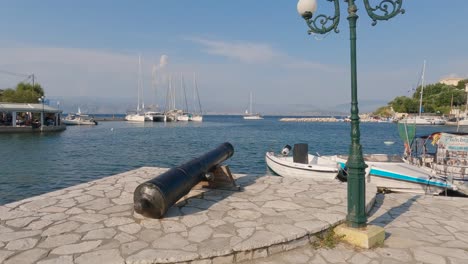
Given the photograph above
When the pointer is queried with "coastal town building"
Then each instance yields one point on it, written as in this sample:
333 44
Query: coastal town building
450 81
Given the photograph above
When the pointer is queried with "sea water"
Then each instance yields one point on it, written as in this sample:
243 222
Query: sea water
32 164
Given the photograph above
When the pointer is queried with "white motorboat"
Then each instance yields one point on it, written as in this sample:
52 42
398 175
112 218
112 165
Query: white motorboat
315 167
196 118
390 172
79 119
423 120
135 117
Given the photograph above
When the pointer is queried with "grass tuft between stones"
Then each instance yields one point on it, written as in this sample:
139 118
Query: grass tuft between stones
327 239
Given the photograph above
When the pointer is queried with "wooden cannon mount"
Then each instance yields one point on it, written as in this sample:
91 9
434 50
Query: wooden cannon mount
220 178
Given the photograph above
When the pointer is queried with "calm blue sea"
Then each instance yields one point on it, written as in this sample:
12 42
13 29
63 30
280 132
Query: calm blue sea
32 164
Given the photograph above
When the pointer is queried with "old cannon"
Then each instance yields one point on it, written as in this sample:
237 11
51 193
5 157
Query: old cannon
154 197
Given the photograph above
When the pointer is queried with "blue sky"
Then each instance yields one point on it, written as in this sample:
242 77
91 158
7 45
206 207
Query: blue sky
90 48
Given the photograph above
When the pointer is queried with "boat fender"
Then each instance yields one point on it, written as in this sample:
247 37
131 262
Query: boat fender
286 150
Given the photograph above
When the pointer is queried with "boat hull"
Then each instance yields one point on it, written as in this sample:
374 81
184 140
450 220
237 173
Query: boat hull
135 118
197 118
391 173
79 123
253 117
284 166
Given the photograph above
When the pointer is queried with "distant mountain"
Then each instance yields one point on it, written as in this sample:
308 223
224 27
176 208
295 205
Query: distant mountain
95 105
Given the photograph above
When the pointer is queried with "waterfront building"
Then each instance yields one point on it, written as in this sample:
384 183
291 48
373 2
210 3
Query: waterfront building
24 117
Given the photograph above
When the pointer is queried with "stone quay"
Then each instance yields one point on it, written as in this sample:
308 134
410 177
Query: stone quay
94 222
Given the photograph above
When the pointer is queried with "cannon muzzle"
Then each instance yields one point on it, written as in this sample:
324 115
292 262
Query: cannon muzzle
154 197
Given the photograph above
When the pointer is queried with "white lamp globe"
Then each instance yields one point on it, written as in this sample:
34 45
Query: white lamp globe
306 8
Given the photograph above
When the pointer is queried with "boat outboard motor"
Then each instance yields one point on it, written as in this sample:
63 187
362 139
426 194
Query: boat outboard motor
286 150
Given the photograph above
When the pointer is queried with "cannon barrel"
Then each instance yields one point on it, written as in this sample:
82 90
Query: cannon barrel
154 197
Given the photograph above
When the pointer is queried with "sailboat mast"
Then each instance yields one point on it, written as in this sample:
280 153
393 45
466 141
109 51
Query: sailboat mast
196 90
138 83
185 92
250 107
422 88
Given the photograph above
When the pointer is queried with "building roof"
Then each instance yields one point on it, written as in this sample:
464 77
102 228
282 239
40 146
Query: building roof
18 107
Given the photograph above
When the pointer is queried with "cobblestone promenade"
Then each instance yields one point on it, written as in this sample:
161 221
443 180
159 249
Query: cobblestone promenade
420 229
95 223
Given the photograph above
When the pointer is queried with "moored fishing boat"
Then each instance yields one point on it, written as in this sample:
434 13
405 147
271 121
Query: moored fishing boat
301 165
444 153
79 119
392 173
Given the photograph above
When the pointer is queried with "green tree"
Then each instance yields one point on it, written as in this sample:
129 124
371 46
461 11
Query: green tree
23 93
403 104
384 111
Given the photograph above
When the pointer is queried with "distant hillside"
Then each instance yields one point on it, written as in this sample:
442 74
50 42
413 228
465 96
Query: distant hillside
122 105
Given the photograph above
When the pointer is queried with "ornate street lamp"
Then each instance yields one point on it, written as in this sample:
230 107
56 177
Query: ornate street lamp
42 99
321 24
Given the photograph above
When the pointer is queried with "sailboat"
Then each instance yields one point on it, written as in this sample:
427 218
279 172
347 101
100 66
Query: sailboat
171 112
155 115
249 115
198 117
185 115
138 115
420 119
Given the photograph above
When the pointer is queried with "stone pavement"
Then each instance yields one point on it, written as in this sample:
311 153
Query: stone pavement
419 229
95 223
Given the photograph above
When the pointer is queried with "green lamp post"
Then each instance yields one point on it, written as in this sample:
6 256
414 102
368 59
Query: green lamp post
321 24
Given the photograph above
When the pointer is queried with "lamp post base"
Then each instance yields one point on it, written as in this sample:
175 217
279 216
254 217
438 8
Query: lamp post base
366 237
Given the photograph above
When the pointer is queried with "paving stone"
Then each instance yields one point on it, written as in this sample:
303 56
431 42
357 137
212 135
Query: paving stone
200 233
22 244
104 233
426 257
88 218
132 247
4 254
40 224
26 257
173 226
116 221
395 253
170 241
21 222
6 237
194 220
58 260
61 228
130 228
110 256
76 248
124 237
160 256
56 241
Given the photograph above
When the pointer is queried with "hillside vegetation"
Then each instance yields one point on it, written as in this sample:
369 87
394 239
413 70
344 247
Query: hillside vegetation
438 98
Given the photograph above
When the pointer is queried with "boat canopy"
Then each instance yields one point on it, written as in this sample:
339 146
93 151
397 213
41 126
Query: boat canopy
22 107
